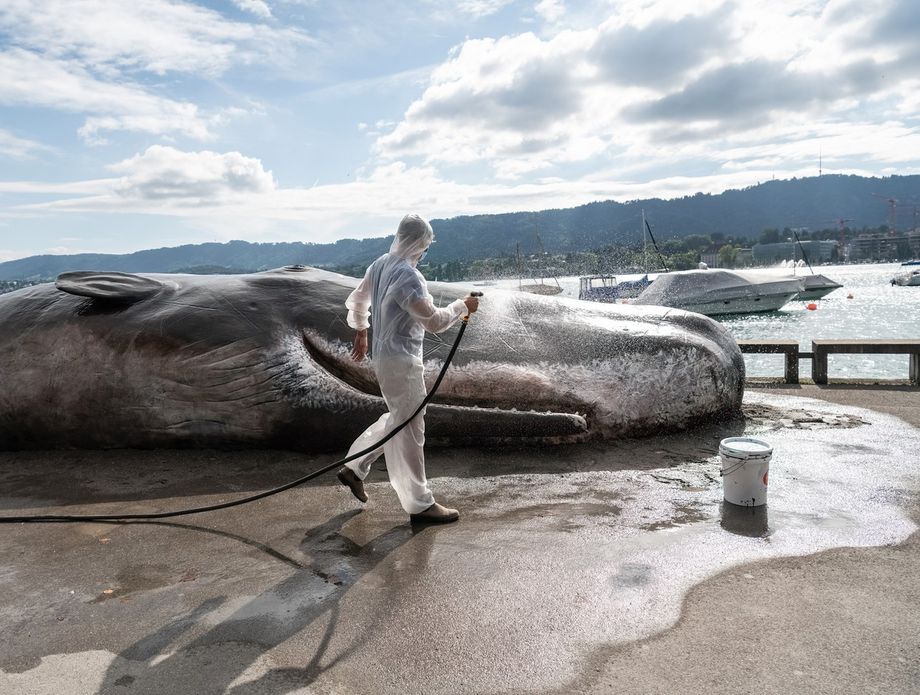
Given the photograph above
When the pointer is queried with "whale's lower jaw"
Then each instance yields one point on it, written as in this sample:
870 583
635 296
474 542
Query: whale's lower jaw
680 385
445 425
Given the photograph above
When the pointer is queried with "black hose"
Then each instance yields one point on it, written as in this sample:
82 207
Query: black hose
49 518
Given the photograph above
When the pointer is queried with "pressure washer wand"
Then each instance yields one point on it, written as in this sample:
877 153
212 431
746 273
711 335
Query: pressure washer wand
60 518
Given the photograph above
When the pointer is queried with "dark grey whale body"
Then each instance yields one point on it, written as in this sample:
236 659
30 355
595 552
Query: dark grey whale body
114 360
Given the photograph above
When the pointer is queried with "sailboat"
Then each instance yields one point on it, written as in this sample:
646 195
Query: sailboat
605 288
542 272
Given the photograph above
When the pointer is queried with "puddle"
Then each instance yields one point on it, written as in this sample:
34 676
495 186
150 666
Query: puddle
133 580
668 529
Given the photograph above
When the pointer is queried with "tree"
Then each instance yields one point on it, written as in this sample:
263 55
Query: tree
727 255
683 261
769 236
673 246
697 242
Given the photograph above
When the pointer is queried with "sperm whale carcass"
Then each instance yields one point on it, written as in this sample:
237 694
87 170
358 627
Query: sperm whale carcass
106 360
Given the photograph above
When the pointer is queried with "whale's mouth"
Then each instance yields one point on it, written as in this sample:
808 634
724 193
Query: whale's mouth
453 420
342 368
463 386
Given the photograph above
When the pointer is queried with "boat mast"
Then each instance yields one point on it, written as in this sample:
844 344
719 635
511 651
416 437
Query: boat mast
644 244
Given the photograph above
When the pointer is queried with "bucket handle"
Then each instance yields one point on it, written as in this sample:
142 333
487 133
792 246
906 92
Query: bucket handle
732 469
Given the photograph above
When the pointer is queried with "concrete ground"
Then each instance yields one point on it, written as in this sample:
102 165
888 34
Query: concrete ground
578 569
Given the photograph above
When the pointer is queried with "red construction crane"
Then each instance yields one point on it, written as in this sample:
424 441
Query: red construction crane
841 226
892 211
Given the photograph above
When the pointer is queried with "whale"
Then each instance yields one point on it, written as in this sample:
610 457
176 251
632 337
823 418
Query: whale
120 360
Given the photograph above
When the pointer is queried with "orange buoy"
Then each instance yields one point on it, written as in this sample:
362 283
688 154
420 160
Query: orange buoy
811 306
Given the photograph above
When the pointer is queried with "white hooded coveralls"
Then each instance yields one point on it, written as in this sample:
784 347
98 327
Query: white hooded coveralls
394 296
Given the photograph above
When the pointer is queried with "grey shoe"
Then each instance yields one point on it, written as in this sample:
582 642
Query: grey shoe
435 514
349 479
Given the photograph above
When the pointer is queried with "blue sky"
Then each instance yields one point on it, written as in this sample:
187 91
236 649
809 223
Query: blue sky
128 125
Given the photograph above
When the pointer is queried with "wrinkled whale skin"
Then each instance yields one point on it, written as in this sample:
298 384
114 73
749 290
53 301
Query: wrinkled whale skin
262 360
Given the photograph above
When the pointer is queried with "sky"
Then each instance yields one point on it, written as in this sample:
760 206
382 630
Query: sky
133 125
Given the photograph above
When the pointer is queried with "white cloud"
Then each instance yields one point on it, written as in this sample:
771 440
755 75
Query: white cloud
257 7
709 73
511 100
190 178
159 179
650 98
482 8
550 10
230 194
92 56
77 188
19 148
30 79
155 36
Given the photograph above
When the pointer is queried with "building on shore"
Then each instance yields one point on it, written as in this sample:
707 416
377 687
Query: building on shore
739 258
816 251
885 247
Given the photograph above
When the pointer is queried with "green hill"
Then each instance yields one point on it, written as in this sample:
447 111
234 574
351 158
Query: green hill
814 203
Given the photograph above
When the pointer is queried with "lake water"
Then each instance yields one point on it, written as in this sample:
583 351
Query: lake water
876 311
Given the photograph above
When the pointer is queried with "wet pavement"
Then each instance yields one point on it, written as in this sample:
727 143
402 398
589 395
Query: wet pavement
591 568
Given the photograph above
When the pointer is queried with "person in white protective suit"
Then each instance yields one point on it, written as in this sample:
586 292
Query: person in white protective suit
393 300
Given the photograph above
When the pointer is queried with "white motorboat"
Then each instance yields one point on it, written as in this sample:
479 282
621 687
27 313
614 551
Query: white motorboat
814 286
817 286
714 292
908 279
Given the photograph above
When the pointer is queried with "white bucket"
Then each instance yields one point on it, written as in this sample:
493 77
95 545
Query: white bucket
745 470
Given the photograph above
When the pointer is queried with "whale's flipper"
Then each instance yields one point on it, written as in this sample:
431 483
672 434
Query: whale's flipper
123 288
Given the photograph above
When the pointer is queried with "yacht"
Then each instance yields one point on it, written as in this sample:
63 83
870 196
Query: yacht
908 279
714 292
817 286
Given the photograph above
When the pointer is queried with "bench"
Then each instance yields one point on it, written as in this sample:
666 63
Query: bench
789 348
822 348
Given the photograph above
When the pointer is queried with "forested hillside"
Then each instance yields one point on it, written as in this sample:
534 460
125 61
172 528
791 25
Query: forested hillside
815 203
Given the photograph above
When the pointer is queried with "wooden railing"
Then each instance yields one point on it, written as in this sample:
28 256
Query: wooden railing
789 348
820 349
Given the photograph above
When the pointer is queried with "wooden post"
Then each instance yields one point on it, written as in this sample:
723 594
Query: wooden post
818 363
792 366
788 348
